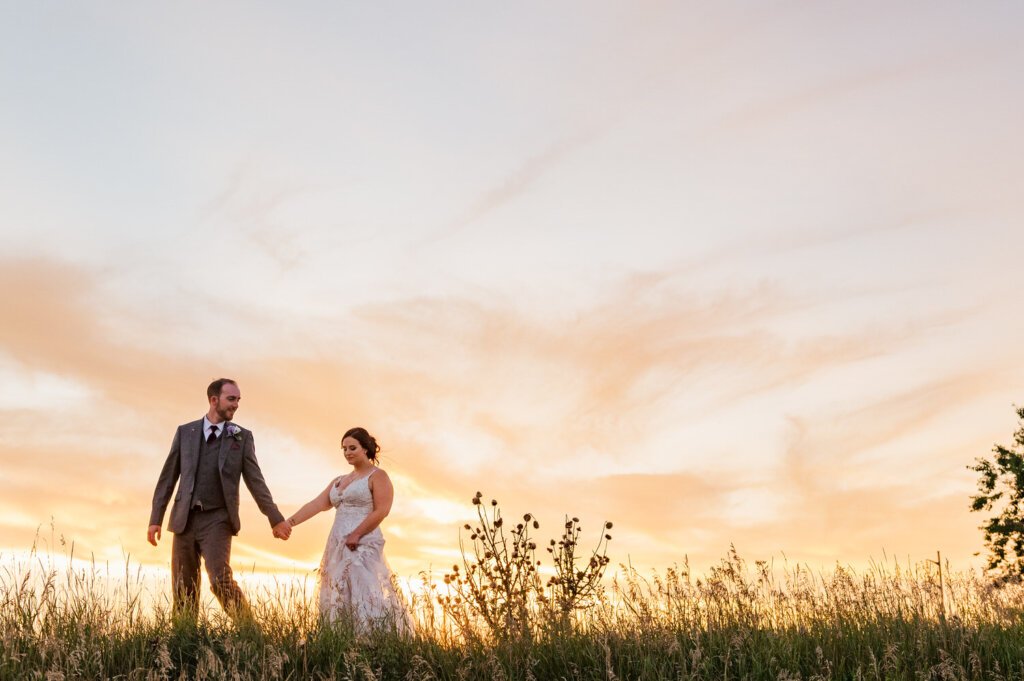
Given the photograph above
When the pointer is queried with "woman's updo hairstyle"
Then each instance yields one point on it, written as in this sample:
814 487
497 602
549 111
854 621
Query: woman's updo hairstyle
367 441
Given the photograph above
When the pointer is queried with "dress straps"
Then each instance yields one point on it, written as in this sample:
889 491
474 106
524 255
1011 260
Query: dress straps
337 480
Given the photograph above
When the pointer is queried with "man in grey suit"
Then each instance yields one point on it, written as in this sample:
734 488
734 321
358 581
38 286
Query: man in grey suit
209 456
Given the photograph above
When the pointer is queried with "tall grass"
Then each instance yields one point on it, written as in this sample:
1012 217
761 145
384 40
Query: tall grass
736 621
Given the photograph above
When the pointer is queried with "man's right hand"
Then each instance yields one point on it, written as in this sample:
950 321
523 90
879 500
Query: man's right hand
153 534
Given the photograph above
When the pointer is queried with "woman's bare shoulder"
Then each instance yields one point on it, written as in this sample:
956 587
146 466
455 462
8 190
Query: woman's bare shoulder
379 474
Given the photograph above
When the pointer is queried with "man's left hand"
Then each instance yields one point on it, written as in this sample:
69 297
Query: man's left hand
283 530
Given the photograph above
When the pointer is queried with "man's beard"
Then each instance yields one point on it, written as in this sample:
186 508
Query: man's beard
224 414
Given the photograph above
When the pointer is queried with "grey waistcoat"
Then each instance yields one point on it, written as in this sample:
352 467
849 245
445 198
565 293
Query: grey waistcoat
208 492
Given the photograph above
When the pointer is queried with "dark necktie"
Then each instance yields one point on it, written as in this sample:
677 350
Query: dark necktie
213 436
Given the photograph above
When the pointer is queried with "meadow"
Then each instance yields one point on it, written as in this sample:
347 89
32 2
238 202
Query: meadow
499 616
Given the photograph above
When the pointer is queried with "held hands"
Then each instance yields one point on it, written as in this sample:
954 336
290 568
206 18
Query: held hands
153 534
283 530
352 541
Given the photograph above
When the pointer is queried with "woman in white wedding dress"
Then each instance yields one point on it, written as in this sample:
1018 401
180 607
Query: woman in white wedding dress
355 580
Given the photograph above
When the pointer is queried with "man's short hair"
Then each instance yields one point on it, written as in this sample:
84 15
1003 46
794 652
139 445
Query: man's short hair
217 386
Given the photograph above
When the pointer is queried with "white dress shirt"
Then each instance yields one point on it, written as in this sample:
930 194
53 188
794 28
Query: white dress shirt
207 427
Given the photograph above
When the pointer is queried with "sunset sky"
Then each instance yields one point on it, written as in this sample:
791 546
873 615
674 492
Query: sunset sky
719 273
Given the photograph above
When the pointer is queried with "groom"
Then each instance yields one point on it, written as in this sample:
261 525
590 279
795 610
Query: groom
209 455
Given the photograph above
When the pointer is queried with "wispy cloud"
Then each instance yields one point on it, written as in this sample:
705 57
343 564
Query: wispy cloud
517 183
579 412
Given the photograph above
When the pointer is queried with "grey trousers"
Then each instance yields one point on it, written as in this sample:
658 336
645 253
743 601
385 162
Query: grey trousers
207 535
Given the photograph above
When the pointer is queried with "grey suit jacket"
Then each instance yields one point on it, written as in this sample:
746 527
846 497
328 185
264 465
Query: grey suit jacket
237 460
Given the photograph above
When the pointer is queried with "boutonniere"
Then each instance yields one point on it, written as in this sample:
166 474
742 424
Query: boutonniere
234 431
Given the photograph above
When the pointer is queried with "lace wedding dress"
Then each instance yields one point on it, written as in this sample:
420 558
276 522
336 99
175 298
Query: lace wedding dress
359 584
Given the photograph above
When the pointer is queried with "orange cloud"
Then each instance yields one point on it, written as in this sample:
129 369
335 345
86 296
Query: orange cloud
549 416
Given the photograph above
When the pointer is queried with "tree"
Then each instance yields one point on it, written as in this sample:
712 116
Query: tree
1001 489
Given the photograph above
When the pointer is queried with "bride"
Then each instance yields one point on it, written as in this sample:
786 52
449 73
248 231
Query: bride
355 580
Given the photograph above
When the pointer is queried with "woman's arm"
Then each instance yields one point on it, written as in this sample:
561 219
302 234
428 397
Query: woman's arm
321 502
383 493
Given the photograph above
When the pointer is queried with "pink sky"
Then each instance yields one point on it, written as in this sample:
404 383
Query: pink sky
716 275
